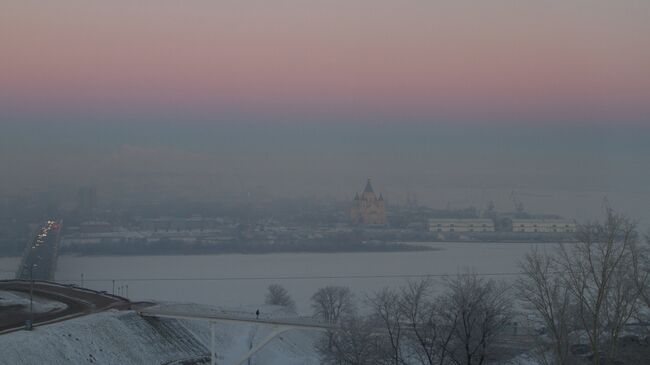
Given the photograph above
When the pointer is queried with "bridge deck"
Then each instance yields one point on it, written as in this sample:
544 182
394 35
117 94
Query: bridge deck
41 253
234 318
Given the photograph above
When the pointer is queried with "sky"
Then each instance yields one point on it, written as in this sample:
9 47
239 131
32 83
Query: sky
459 101
585 59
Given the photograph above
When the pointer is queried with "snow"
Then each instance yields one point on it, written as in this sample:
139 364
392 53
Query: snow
40 305
232 341
523 360
106 338
123 337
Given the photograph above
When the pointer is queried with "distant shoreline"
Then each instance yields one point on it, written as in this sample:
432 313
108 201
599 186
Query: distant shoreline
172 247
180 248
255 249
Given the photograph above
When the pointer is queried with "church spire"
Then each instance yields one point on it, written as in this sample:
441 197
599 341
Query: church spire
368 188
367 209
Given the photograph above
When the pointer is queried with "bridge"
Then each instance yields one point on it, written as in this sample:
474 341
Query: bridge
279 326
41 253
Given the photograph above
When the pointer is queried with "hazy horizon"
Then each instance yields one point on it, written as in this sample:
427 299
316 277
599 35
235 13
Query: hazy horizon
566 170
455 101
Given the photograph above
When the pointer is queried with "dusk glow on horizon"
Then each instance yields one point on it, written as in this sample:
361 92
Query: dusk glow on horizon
468 59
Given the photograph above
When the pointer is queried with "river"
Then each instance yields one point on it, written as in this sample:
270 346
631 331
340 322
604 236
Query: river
236 280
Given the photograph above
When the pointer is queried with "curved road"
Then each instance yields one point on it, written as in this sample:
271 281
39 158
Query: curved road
78 301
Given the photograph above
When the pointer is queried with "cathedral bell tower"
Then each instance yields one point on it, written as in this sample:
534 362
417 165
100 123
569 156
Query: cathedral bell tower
367 208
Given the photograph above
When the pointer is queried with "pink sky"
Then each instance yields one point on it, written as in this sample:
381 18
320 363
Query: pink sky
465 57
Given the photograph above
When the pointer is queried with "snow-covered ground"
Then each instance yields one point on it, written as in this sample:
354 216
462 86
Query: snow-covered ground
104 338
41 305
523 359
123 337
295 347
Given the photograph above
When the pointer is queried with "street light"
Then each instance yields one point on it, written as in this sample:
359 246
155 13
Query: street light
31 294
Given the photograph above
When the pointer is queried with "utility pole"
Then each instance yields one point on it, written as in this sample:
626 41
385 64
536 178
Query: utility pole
82 280
250 347
113 286
213 360
31 294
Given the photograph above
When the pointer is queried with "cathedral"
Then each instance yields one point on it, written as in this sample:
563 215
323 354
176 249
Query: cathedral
367 209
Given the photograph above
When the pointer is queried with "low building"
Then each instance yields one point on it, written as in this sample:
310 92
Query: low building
95 227
167 224
543 225
461 225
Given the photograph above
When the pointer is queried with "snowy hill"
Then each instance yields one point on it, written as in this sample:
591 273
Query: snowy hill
123 337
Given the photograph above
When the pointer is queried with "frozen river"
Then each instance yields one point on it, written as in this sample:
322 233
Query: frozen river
8 267
238 280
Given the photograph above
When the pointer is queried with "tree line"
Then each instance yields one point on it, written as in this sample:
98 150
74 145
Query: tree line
410 325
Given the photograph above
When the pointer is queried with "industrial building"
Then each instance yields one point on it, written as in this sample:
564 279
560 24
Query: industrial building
543 225
461 225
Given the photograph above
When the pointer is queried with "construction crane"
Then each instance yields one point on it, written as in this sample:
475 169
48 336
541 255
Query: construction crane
519 206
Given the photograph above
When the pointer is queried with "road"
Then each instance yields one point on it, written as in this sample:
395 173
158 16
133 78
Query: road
41 253
78 302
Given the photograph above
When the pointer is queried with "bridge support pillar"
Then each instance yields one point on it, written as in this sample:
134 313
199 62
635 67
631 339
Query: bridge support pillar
276 332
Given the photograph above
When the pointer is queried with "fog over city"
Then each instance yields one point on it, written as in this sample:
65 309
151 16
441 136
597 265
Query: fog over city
359 182
567 169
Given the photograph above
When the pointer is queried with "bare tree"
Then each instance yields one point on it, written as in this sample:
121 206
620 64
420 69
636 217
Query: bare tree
354 343
459 326
330 304
278 295
601 277
387 312
429 334
480 311
333 302
410 325
542 286
642 267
